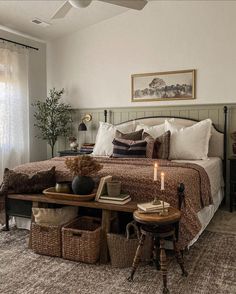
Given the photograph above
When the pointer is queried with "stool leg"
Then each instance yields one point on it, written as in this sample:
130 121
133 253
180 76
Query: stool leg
156 253
137 257
163 261
179 258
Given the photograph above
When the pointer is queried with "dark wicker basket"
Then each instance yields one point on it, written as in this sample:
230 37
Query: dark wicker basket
46 239
81 239
122 248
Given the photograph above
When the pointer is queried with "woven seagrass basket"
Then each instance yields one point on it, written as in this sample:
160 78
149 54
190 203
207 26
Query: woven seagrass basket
122 248
46 239
81 239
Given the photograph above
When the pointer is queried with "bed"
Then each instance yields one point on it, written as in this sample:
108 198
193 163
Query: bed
202 196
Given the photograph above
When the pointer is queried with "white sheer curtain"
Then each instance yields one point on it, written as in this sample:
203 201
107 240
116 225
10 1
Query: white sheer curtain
14 106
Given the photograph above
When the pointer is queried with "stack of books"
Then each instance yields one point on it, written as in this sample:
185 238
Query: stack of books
87 148
102 195
121 199
149 207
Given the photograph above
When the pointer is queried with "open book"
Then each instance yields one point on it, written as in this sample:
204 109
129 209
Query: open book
102 187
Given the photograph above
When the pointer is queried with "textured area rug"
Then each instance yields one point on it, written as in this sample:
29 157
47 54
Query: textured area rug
223 222
210 262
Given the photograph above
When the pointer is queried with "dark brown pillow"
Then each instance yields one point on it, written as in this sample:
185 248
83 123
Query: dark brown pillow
163 149
129 148
134 136
160 145
14 182
152 146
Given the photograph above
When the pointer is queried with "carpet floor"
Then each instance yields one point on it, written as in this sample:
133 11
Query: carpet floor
210 262
223 222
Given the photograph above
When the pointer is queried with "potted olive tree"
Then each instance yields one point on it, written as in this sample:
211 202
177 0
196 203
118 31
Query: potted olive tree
52 118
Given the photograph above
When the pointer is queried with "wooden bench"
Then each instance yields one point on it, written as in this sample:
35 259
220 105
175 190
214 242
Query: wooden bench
107 209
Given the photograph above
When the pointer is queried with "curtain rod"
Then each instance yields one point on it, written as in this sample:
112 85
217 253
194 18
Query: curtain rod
26 46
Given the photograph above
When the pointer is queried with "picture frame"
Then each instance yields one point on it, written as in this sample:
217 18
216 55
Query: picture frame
163 86
102 189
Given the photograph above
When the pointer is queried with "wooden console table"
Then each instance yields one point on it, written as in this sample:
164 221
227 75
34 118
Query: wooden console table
105 207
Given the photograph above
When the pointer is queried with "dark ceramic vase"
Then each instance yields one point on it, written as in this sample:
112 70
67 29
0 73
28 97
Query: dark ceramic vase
82 185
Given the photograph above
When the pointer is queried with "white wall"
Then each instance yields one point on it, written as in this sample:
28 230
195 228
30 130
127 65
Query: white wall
37 88
94 64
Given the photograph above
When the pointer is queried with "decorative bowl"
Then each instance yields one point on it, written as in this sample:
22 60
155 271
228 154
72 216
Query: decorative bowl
63 187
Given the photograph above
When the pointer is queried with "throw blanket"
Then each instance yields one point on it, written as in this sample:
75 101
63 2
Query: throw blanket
136 176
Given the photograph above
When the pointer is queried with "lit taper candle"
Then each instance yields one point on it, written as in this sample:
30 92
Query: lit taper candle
155 171
162 181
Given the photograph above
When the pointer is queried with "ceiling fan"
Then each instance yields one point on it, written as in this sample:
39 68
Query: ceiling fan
67 5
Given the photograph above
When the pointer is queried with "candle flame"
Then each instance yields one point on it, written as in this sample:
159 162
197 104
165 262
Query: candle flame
155 165
162 174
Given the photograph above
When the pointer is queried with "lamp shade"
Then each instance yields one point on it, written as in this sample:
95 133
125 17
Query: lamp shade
82 127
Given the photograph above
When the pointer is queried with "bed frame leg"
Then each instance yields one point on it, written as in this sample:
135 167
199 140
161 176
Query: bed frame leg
181 195
6 227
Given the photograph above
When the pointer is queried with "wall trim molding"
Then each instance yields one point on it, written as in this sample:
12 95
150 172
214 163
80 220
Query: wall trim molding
156 106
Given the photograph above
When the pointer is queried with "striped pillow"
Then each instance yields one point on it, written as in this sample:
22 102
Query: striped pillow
129 148
135 136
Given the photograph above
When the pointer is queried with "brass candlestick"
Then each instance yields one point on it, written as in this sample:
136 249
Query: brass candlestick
156 201
163 211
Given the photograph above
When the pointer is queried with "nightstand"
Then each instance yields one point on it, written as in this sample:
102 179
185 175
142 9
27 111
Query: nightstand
232 180
72 153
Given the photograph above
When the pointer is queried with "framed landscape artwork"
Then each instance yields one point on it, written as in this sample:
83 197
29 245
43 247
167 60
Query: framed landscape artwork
161 86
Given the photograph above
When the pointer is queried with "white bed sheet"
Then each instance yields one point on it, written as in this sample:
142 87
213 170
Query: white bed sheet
214 169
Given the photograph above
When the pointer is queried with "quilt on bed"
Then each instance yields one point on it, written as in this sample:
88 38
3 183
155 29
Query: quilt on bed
137 180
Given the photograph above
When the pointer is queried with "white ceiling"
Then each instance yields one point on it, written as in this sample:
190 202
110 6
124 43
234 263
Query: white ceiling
17 15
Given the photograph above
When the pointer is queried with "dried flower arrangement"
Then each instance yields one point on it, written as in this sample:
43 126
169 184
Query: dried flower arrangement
83 165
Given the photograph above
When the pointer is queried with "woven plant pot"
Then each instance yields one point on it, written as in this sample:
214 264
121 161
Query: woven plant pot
122 248
81 239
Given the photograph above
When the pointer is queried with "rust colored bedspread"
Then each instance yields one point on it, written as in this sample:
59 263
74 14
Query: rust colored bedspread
137 180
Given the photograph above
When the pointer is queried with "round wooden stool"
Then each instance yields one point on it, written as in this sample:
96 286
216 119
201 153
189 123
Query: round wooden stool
161 227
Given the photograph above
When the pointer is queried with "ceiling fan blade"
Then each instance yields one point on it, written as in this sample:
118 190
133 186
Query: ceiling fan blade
133 4
62 11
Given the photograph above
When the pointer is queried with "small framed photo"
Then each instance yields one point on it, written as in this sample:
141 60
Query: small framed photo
162 86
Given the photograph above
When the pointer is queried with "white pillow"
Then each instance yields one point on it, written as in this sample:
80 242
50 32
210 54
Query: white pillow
106 134
191 142
172 126
154 131
54 216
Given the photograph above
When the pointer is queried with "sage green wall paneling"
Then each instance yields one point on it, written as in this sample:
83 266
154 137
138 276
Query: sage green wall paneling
132 115
141 113
174 112
166 113
203 114
118 115
125 116
149 113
